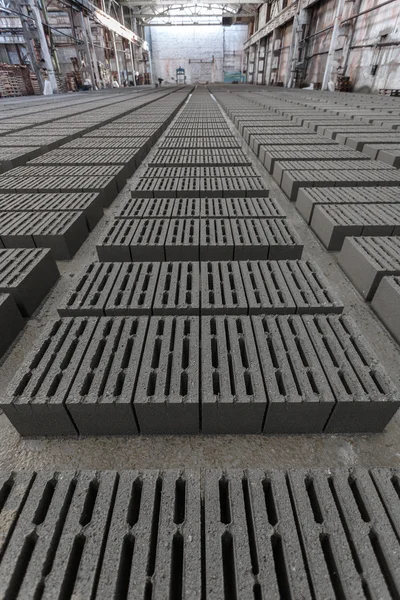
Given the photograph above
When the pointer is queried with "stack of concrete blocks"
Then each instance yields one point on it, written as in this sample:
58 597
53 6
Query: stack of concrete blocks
303 533
26 278
346 185
76 168
310 148
201 316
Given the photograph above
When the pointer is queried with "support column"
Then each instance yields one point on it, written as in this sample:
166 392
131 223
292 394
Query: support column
256 59
271 58
93 52
29 45
333 45
116 57
292 52
133 63
349 29
300 23
86 46
43 45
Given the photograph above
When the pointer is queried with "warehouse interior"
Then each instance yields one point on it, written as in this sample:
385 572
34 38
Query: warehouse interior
199 300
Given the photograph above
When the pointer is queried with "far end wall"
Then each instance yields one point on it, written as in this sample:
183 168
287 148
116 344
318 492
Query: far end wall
205 52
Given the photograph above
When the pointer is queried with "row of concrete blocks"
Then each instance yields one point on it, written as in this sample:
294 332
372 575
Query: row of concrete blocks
206 288
61 230
198 172
32 143
310 198
333 224
26 277
201 187
290 179
370 139
345 131
187 374
95 174
198 143
204 208
193 158
379 148
305 533
129 158
199 239
89 204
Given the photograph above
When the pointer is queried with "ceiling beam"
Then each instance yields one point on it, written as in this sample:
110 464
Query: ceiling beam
165 15
161 3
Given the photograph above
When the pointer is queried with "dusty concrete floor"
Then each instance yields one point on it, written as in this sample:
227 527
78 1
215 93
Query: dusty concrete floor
205 451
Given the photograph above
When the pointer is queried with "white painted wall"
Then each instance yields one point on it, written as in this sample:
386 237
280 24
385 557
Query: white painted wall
193 48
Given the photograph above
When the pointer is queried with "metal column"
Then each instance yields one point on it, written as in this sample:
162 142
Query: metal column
333 45
43 45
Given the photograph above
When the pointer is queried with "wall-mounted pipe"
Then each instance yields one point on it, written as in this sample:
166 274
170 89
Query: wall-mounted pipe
317 33
364 12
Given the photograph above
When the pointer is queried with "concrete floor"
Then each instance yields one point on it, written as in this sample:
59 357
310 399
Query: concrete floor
163 452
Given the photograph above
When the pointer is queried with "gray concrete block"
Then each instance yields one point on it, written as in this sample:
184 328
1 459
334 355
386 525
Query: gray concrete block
183 239
252 548
345 530
216 240
62 527
292 181
63 179
148 240
178 289
299 397
233 394
283 239
63 233
242 208
11 322
366 260
311 291
28 275
266 290
250 240
332 227
222 290
146 208
386 304
188 208
91 291
390 156
167 394
134 289
366 399
155 533
35 399
115 243
211 208
100 400
204 157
